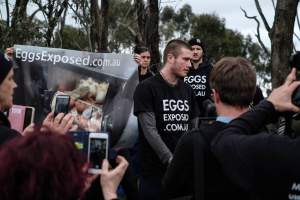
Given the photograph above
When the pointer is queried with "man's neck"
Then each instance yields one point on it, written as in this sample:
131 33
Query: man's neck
230 111
168 76
197 63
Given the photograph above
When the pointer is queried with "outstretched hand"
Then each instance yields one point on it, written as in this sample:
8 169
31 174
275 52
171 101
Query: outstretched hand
281 97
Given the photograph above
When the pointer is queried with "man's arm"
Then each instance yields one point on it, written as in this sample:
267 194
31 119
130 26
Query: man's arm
148 124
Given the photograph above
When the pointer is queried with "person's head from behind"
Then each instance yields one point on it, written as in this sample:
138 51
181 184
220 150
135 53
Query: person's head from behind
177 57
197 49
7 83
41 166
233 81
145 57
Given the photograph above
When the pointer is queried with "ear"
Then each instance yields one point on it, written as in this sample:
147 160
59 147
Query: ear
170 58
216 96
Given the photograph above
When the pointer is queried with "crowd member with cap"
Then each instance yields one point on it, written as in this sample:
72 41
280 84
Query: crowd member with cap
198 75
61 123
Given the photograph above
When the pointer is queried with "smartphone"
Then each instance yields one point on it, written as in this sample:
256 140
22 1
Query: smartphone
62 104
20 117
29 116
97 151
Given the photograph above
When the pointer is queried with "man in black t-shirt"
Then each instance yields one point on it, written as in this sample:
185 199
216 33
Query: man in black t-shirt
198 76
166 108
194 171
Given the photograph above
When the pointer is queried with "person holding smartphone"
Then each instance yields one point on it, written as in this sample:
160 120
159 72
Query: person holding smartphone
63 163
61 123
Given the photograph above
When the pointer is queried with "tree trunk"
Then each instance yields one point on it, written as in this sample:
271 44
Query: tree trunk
18 23
104 26
152 34
281 36
95 25
53 20
141 19
148 21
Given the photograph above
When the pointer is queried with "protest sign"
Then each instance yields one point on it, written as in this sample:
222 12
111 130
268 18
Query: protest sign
100 85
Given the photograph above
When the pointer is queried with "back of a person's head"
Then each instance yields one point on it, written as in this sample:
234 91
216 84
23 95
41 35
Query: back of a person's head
40 166
234 78
174 47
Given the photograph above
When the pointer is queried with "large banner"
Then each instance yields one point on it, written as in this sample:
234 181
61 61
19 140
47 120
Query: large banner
100 85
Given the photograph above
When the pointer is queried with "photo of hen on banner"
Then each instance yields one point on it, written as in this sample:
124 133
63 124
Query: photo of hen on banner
97 87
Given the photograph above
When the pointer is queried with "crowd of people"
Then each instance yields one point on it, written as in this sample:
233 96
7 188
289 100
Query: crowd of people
202 135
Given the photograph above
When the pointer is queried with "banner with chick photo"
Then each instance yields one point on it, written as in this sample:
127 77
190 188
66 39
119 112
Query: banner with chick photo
100 86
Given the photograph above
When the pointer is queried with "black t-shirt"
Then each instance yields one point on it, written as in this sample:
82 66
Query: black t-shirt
173 106
144 76
198 79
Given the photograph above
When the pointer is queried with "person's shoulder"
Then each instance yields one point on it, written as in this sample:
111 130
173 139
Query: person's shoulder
152 80
146 86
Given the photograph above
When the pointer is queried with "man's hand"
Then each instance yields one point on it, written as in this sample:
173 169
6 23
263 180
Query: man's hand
60 124
281 97
110 179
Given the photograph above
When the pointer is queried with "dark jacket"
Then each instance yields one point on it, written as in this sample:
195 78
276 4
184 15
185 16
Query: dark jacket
266 165
195 171
6 133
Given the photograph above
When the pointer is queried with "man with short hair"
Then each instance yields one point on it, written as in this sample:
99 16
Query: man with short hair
194 171
198 76
165 107
264 164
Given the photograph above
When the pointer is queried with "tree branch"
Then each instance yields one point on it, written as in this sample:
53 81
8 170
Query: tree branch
258 32
297 36
261 14
33 14
7 13
273 3
298 21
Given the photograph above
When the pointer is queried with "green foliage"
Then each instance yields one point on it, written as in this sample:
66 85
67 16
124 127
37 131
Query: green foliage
176 22
71 38
122 25
218 40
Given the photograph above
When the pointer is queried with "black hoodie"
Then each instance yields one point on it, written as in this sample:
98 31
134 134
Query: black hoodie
198 79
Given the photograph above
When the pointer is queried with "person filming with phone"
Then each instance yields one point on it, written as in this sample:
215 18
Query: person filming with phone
61 123
264 164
